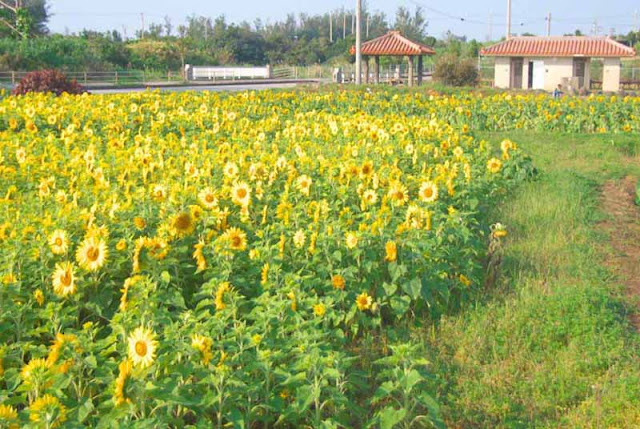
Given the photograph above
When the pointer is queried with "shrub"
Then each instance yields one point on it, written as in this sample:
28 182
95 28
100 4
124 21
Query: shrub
455 71
47 81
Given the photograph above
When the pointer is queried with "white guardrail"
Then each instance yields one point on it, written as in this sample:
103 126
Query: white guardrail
221 72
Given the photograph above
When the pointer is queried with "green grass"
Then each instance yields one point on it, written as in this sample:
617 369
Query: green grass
551 345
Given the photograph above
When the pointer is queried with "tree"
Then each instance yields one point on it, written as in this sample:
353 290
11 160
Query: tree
411 26
23 18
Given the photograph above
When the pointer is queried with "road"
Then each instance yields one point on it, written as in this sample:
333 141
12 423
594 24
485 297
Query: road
240 87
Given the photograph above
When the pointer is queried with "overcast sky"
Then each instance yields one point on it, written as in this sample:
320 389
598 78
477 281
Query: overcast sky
443 15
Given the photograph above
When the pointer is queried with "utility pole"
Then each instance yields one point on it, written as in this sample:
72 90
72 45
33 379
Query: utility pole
358 42
508 19
489 27
142 19
368 20
344 25
549 24
635 20
353 24
330 27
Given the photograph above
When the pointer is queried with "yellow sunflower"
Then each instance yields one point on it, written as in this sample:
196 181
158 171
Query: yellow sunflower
241 194
304 184
58 242
207 198
120 395
494 165
428 192
92 254
8 417
351 240
338 282
48 411
63 279
236 238
182 224
391 251
319 310
398 194
142 347
364 301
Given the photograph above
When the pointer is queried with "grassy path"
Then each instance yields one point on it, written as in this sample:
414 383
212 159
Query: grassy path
552 345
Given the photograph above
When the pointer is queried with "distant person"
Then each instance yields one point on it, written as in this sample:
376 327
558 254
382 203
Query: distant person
557 93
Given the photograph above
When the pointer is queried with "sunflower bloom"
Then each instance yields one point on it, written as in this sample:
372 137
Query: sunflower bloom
142 347
236 238
124 375
398 194
351 240
8 417
338 282
48 410
182 224
58 242
63 279
494 165
304 184
364 301
203 345
428 192
319 310
207 198
391 251
241 194
92 254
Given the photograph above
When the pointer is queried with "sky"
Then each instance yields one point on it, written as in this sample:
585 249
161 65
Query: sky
462 17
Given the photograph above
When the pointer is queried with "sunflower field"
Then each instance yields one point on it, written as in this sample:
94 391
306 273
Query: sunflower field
247 260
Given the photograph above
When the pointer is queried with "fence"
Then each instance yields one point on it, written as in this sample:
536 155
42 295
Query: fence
98 78
221 72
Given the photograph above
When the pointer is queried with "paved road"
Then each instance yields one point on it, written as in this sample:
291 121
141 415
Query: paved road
242 87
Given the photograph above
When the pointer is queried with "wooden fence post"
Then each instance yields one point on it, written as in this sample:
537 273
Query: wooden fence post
13 78
116 79
85 78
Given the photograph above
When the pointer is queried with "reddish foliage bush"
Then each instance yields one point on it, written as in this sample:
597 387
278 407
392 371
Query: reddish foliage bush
47 81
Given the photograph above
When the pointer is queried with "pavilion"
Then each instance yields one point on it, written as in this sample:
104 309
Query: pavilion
392 44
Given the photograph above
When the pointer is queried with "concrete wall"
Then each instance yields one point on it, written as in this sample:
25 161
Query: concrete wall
611 75
502 77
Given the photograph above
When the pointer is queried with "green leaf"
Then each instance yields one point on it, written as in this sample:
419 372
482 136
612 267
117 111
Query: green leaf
389 417
413 288
84 410
400 304
412 379
389 289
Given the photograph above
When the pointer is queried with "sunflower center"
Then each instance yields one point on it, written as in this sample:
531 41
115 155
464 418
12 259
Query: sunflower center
58 241
236 241
93 253
428 192
242 193
65 279
183 222
141 348
209 198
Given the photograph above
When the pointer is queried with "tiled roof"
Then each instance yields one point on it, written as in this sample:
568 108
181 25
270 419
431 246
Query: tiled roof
393 43
561 46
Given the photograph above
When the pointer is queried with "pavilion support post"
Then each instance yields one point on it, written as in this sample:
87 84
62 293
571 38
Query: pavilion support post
419 70
365 69
410 77
376 69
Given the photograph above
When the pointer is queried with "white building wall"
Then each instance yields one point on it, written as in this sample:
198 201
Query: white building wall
611 75
502 72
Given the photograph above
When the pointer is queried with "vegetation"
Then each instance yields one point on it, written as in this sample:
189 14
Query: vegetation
551 345
47 81
452 71
175 259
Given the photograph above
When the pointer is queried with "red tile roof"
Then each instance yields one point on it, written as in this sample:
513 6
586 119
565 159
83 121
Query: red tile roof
560 46
393 43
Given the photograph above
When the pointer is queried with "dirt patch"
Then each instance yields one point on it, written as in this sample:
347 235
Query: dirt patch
623 227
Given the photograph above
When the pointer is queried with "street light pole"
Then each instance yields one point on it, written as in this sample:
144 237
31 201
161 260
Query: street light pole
358 42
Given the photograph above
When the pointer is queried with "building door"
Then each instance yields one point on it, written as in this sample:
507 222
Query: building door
516 73
579 70
538 75
530 75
